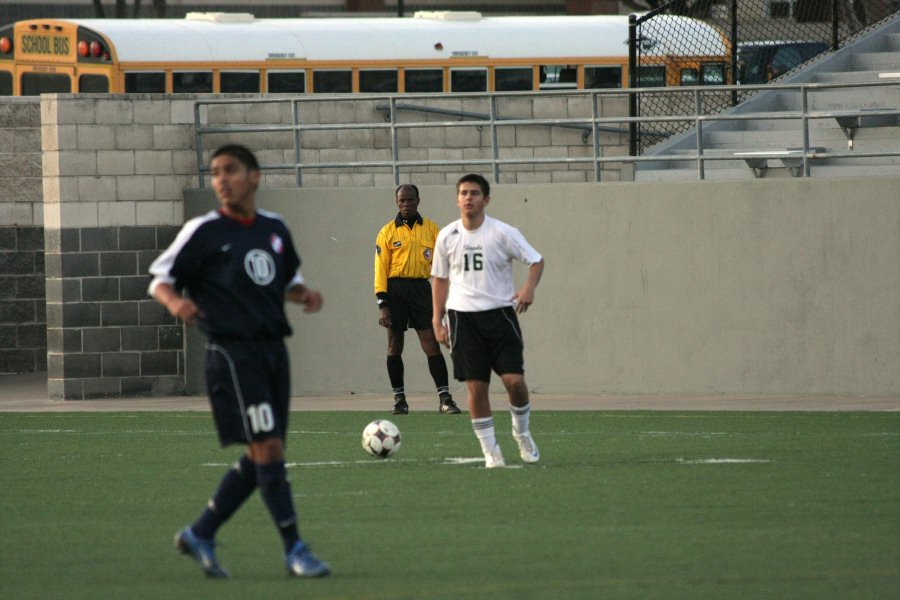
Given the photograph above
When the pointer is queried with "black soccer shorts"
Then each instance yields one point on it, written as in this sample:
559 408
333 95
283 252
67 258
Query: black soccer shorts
409 301
485 341
249 384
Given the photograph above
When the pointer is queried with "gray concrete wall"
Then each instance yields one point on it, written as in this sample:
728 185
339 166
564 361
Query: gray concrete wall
773 287
23 321
767 287
113 169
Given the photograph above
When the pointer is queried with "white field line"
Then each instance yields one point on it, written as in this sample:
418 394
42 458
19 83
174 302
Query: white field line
452 460
719 461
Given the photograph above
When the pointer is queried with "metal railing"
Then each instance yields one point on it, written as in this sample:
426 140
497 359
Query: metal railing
594 124
804 152
392 105
740 23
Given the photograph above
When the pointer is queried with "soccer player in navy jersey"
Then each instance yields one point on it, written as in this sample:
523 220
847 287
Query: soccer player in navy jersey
229 272
472 282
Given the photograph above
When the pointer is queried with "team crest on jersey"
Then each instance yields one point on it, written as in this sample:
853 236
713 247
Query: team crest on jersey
260 266
277 244
397 244
427 253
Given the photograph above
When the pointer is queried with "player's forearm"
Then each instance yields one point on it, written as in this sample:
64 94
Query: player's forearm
535 272
177 305
439 290
165 294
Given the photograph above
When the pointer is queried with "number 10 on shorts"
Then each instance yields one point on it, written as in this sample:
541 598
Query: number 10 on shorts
261 418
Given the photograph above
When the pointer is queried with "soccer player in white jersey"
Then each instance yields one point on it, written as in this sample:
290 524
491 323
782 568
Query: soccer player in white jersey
472 284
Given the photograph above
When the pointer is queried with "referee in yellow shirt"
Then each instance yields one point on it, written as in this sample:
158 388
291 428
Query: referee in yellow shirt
403 251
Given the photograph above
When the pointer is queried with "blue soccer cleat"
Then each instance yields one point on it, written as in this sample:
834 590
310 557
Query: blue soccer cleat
203 551
301 562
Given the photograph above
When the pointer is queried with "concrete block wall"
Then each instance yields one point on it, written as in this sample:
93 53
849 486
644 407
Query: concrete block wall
435 143
23 325
114 170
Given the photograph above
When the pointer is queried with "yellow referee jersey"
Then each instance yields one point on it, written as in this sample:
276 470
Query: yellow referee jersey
404 251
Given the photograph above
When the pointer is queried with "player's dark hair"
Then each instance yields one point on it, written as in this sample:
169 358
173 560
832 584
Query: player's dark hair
476 179
241 153
409 185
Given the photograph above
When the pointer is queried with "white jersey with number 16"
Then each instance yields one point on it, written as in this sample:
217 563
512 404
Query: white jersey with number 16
479 263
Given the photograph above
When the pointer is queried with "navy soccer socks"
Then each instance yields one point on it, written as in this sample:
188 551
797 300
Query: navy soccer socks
236 486
276 494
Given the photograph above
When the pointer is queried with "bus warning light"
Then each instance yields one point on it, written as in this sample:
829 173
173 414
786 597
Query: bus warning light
5 45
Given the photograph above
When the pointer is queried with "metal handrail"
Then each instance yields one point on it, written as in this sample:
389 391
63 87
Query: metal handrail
392 104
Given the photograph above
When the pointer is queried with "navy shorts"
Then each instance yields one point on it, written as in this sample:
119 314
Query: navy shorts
409 301
485 341
249 385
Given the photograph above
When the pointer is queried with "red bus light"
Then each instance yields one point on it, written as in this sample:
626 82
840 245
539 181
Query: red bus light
96 48
83 50
5 45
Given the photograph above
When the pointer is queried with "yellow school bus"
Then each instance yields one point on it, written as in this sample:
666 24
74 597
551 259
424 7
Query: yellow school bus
432 52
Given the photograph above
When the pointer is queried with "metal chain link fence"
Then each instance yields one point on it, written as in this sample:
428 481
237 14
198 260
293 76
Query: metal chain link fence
754 42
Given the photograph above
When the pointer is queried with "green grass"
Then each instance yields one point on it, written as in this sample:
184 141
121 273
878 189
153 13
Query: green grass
622 505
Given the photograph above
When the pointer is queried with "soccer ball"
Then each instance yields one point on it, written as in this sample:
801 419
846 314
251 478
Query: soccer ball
381 438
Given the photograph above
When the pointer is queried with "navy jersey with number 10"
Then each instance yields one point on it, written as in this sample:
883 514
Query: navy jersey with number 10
236 272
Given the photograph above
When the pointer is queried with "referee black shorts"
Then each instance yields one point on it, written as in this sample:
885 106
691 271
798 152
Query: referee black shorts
409 301
249 385
485 341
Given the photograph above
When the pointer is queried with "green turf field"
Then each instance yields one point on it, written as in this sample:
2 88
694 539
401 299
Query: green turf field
622 505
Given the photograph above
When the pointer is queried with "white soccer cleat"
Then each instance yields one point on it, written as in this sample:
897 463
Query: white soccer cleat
494 458
528 450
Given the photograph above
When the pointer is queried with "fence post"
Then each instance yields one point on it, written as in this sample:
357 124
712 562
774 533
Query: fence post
734 48
198 143
395 144
495 148
632 83
834 24
298 157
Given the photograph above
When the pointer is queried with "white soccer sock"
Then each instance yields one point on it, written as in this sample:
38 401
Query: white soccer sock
521 416
484 431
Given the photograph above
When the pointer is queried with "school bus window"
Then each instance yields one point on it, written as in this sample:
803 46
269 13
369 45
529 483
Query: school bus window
93 84
602 77
651 76
688 77
557 77
239 82
332 82
6 86
286 82
35 84
378 81
145 82
468 80
712 74
423 81
513 79
194 82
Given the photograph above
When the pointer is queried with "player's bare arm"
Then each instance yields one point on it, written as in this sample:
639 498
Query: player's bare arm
178 306
525 295
440 287
311 300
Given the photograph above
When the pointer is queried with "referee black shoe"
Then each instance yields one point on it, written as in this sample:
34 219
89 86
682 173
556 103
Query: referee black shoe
400 405
448 406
